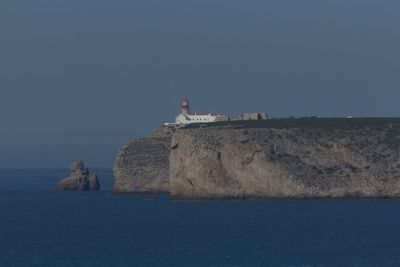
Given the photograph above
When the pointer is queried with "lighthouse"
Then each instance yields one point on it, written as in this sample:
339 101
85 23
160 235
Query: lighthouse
185 117
185 106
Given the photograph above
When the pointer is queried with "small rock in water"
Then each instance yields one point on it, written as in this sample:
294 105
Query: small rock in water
80 179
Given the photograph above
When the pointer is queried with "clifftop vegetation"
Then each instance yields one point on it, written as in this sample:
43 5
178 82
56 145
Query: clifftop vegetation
307 122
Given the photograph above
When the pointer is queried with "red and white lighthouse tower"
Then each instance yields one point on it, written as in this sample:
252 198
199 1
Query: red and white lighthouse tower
185 106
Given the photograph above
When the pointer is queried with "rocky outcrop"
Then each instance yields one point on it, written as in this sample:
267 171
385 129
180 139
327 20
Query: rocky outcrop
80 179
315 158
142 166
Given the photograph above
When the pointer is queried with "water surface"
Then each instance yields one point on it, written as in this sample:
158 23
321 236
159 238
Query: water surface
42 227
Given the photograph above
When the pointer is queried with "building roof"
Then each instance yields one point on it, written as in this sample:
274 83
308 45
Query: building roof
205 113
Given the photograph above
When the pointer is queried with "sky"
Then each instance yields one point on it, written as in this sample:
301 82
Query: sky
80 78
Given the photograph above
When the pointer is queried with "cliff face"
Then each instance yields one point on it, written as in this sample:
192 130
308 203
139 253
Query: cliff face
355 160
142 166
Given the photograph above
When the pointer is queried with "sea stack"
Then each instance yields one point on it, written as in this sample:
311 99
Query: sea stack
80 179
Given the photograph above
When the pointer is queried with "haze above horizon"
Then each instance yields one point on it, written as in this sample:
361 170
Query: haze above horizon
78 79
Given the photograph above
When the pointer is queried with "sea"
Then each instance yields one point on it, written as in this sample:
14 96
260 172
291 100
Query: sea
42 227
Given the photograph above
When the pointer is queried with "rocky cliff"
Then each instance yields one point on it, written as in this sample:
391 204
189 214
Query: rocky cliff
299 158
80 179
142 166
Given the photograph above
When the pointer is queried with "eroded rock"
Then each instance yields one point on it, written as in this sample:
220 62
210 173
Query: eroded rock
142 166
311 160
80 179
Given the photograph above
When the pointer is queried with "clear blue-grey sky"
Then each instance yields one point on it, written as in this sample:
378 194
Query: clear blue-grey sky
79 78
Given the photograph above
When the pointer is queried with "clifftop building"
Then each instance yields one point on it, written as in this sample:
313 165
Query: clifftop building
186 117
254 116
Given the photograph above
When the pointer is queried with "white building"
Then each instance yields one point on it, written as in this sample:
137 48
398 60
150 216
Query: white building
185 117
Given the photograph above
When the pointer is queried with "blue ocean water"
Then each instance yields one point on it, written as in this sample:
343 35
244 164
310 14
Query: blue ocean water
42 227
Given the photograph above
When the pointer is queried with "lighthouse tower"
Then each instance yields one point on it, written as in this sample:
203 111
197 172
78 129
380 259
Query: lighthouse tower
185 106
